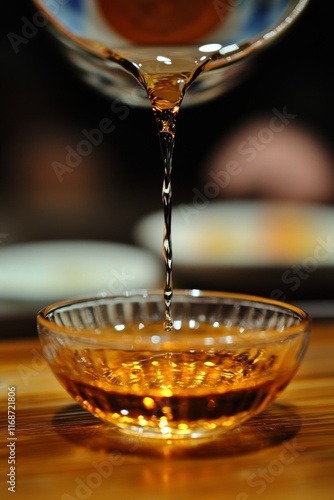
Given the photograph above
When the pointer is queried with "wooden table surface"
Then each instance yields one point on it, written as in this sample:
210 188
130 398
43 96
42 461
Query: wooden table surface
62 452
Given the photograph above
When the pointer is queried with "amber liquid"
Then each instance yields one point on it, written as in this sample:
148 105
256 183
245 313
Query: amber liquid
172 394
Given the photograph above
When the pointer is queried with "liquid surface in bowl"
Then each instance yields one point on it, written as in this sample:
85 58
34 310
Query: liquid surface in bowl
175 393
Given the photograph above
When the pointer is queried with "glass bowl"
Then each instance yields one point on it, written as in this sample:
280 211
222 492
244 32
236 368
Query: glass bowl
226 359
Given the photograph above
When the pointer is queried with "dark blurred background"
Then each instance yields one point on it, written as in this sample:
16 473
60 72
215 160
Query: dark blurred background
45 106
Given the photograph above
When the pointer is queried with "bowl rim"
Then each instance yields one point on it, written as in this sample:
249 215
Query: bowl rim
85 334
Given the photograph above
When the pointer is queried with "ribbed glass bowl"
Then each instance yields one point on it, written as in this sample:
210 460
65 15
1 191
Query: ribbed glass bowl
227 358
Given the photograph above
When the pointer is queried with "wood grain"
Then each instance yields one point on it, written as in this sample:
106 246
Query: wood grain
62 452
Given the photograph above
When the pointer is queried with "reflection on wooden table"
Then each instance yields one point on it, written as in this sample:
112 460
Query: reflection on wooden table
62 452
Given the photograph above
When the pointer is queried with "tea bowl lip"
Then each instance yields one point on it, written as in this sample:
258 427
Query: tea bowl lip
255 336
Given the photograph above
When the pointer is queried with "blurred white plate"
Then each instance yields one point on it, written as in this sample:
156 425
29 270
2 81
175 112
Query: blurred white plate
221 239
47 271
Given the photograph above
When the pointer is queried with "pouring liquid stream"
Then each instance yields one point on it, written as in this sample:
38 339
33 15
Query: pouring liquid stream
165 94
165 91
165 46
